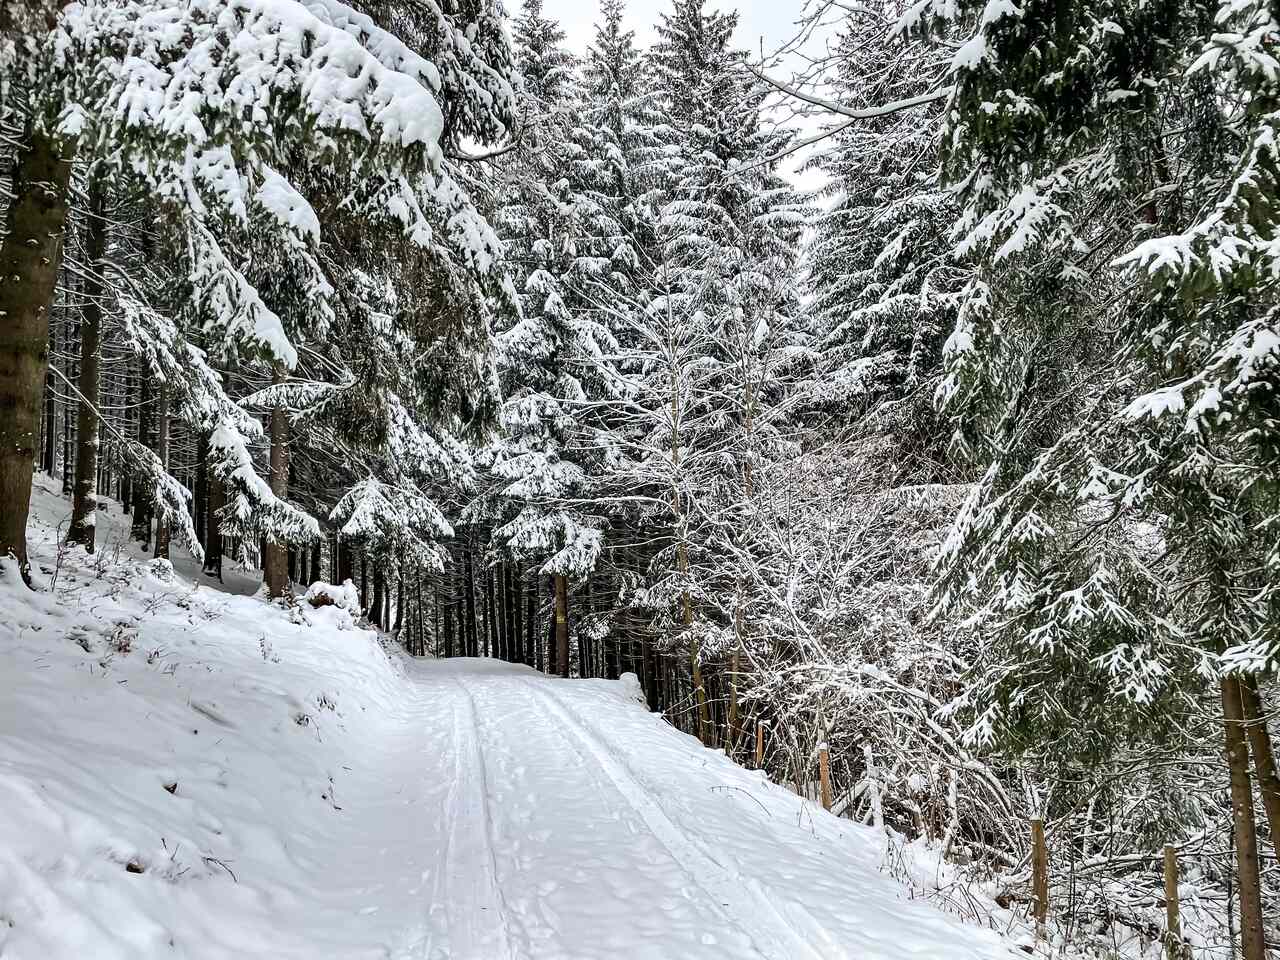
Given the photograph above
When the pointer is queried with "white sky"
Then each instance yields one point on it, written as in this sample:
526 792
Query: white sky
762 24
771 19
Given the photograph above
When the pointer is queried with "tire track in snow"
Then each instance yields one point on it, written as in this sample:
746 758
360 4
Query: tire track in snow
742 899
480 931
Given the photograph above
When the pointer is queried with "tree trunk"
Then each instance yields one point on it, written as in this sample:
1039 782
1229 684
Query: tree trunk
84 506
514 634
201 493
50 456
30 256
706 733
400 599
70 349
473 638
275 566
213 533
346 562
141 529
1264 761
162 451
374 613
492 642
1252 942
532 648
652 675
459 623
126 479
562 624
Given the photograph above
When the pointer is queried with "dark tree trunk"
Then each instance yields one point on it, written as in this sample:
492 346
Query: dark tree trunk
364 580
1264 762
313 571
473 639
399 602
516 637
459 623
275 566
437 632
141 530
374 613
201 496
126 480
532 646
71 346
213 533
492 642
162 451
49 425
561 586
346 563
650 666
1252 938
84 506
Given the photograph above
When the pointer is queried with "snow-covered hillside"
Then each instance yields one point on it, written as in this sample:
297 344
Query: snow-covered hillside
188 772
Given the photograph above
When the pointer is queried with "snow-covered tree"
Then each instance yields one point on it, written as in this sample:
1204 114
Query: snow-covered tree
1112 370
213 106
879 263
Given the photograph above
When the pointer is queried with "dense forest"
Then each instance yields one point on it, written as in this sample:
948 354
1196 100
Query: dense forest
961 471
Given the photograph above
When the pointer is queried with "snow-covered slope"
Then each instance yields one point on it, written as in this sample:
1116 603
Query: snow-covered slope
187 772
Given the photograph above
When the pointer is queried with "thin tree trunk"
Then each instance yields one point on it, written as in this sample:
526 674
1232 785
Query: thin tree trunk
447 615
364 580
201 493
473 638
1264 761
162 451
400 599
374 613
141 528
1252 942
460 623
126 480
532 648
275 566
213 533
515 635
50 424
30 257
84 506
346 563
562 624
492 640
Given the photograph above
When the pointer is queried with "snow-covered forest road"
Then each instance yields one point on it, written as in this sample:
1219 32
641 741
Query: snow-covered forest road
554 819
189 772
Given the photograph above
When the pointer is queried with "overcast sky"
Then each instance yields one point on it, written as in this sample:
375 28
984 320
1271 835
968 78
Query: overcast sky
767 22
771 19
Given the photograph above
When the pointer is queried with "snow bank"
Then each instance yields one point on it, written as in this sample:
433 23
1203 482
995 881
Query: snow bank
173 758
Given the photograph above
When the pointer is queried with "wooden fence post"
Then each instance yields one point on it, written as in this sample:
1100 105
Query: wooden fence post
1040 875
1173 926
759 745
824 775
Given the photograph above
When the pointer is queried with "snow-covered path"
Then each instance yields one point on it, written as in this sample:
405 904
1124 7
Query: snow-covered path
563 821
188 772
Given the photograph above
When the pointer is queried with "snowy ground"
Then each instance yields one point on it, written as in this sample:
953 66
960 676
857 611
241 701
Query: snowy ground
188 772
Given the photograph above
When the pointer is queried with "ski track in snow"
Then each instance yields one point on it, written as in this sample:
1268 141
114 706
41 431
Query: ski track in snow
376 807
485 926
742 910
